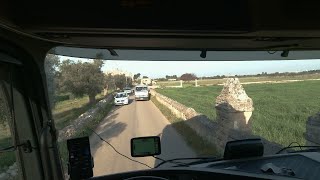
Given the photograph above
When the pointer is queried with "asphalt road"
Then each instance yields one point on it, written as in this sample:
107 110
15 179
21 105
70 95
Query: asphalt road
139 118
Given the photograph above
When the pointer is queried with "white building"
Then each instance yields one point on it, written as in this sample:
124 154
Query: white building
119 72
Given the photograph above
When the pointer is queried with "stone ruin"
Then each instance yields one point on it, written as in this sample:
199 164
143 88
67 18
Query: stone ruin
233 106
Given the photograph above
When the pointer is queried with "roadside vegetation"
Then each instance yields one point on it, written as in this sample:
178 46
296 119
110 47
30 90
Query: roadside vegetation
199 145
85 130
6 159
68 110
281 110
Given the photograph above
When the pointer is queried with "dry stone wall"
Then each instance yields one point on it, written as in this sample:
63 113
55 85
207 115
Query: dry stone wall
83 119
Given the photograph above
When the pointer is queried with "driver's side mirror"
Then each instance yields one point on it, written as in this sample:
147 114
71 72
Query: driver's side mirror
145 146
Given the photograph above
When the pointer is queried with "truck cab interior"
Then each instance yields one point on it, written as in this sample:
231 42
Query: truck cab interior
30 29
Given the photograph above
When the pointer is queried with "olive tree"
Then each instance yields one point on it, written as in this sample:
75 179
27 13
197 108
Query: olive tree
51 68
81 78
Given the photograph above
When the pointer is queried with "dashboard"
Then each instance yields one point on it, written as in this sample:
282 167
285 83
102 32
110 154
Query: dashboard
298 165
291 166
187 174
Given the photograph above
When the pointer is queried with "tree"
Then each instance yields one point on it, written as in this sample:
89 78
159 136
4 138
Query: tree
120 81
117 81
144 77
82 78
171 77
188 77
5 115
51 68
109 82
136 76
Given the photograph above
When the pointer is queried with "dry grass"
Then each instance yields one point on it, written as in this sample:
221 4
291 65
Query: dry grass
66 111
210 82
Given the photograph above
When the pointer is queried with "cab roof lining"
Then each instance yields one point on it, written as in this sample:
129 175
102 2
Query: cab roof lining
244 24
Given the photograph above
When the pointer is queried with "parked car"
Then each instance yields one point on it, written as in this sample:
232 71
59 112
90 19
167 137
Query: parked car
121 98
127 90
142 92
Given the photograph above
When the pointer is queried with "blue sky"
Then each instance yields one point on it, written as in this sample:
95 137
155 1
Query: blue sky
156 69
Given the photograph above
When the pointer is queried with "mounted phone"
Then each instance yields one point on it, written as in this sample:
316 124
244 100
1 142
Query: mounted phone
80 159
145 146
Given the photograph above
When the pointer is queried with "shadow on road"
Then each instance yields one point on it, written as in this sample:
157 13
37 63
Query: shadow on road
172 147
187 145
107 129
131 101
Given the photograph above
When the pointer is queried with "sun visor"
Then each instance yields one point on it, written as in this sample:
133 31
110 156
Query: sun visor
183 55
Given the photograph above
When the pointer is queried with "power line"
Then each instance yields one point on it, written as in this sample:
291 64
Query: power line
119 152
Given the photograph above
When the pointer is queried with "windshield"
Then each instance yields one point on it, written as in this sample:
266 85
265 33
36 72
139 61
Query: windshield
141 88
120 95
195 107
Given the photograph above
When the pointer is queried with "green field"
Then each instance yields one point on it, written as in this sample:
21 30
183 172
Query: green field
208 82
281 110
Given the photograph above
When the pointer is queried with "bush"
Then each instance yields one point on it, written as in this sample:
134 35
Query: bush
63 97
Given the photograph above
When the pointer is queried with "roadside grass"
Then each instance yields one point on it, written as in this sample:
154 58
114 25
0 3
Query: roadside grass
281 110
168 83
6 159
68 110
199 145
86 130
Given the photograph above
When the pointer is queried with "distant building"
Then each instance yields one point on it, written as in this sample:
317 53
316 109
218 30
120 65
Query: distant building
119 72
172 79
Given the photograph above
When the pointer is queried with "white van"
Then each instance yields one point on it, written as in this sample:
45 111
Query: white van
141 92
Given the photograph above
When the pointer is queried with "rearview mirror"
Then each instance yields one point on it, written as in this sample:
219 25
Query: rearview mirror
244 148
145 146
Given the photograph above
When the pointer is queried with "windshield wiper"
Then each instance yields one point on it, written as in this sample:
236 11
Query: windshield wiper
179 164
